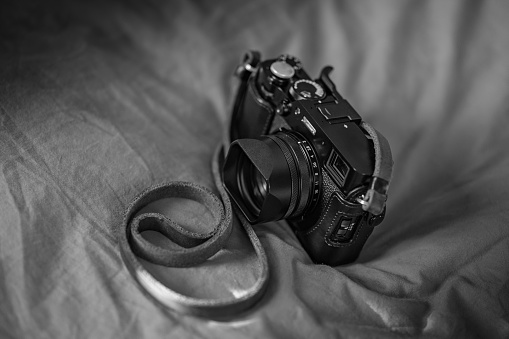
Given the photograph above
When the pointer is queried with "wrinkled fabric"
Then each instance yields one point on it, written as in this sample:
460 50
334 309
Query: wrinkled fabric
99 100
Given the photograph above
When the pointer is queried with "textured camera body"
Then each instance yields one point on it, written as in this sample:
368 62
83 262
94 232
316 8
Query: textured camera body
308 149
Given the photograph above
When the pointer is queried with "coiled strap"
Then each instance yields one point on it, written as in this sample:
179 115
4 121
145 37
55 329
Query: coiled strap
195 247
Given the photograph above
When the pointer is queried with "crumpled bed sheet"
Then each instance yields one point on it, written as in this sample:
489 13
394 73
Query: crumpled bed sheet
99 100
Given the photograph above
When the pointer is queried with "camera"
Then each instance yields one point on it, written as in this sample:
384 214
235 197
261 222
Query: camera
300 152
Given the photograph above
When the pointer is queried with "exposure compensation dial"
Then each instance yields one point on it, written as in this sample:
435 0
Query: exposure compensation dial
307 90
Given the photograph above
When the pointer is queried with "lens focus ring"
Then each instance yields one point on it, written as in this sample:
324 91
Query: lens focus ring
306 178
301 161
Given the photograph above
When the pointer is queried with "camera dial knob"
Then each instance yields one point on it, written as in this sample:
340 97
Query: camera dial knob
305 89
282 70
291 60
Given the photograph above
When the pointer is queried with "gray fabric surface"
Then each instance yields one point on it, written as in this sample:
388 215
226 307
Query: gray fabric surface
99 100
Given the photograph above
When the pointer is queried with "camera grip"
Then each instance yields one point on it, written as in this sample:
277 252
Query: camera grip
339 235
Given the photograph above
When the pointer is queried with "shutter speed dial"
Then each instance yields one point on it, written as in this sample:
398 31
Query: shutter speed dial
306 89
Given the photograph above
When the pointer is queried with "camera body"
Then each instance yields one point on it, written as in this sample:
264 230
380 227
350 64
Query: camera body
300 152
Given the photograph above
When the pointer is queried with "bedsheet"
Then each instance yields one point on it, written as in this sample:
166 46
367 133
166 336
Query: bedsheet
101 99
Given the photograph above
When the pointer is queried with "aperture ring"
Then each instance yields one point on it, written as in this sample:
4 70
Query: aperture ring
294 176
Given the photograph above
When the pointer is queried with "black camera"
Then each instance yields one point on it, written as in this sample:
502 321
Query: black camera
300 152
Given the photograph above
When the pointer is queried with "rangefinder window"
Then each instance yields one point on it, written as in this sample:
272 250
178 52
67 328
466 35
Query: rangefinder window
337 168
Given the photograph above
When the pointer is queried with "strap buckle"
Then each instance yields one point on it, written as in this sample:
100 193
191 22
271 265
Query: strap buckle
375 197
249 63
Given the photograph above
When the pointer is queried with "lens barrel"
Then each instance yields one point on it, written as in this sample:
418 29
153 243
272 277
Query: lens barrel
271 178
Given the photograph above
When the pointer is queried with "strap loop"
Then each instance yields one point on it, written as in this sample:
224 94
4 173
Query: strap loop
196 247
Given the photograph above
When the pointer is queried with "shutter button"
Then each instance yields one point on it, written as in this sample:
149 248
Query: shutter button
282 70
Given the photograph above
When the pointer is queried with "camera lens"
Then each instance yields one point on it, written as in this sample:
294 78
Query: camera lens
272 178
253 186
260 187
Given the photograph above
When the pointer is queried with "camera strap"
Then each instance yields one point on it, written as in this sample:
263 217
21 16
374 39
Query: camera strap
195 248
376 195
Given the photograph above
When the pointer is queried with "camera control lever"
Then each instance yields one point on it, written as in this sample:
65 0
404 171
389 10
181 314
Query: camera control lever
326 80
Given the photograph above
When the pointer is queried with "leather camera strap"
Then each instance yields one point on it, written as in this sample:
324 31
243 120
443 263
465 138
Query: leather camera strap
195 247
383 154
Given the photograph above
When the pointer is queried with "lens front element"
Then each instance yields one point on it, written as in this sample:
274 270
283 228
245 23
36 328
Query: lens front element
260 187
252 185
